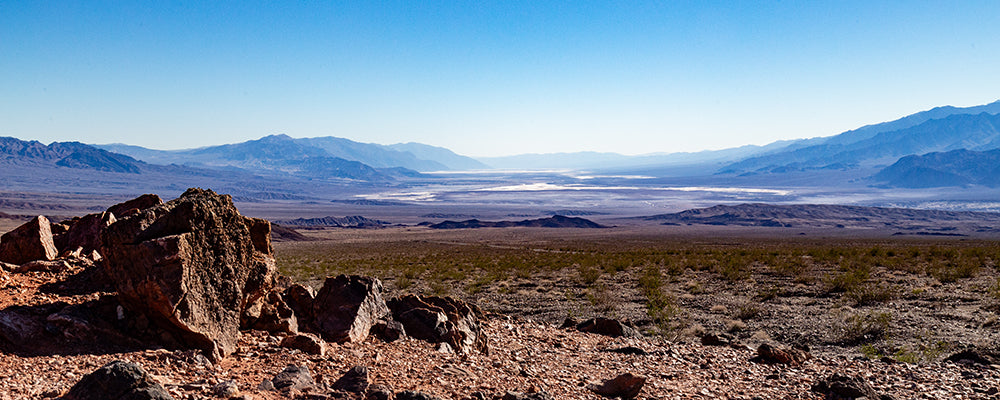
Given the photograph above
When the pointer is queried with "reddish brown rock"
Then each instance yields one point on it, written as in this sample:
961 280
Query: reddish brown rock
269 313
346 307
767 353
29 242
191 266
306 342
440 320
625 386
140 203
84 233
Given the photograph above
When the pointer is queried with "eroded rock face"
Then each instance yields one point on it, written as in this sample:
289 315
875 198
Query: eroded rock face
29 242
140 203
440 320
84 233
347 306
191 266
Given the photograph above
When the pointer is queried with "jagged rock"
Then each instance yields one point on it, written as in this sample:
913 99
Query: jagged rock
190 266
306 342
43 266
19 328
226 389
379 392
29 242
608 327
140 203
527 396
118 380
293 377
388 330
843 387
440 320
626 386
718 339
7 267
300 299
413 395
347 306
85 232
269 313
769 354
970 356
354 381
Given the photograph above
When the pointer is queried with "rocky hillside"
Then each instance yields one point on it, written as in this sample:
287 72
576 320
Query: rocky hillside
837 216
128 304
556 221
65 154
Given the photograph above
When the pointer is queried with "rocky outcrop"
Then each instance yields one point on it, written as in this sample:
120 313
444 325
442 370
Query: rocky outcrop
140 203
292 378
346 307
608 327
440 320
29 242
118 380
84 233
191 266
269 313
305 342
354 381
843 387
769 354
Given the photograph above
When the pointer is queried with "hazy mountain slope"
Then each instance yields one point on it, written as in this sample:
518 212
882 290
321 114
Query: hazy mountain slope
953 168
919 133
440 155
372 154
77 155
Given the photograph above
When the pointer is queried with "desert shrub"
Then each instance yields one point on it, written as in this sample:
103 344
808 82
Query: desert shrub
661 307
849 276
748 311
952 270
869 293
864 327
588 275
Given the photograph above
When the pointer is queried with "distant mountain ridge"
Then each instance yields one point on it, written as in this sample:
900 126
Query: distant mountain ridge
77 155
938 129
941 169
555 221
273 150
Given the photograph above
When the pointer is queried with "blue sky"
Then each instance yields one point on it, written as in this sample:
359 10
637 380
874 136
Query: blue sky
487 78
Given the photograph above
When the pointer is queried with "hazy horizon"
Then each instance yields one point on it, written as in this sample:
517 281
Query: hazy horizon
487 80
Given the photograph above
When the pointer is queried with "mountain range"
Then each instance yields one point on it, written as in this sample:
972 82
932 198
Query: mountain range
944 146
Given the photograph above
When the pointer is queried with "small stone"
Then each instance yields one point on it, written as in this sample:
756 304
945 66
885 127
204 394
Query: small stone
626 386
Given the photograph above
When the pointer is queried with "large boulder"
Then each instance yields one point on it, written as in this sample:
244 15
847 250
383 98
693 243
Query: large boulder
191 266
608 327
118 380
347 306
84 232
29 242
440 320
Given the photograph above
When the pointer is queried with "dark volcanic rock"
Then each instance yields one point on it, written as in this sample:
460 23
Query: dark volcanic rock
388 331
293 377
300 299
191 266
626 386
440 320
347 306
527 396
413 395
354 381
557 221
843 387
29 242
118 380
140 203
608 327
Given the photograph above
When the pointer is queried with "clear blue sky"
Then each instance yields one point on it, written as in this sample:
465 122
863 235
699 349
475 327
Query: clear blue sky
487 78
